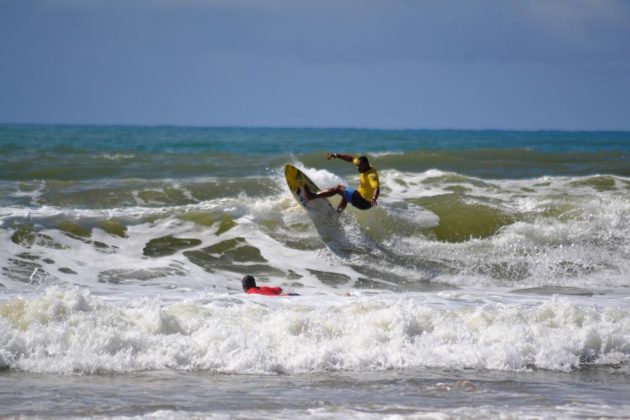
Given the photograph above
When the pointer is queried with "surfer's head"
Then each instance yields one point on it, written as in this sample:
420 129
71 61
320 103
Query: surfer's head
364 164
248 282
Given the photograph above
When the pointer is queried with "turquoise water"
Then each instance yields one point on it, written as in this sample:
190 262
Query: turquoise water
300 140
495 265
78 152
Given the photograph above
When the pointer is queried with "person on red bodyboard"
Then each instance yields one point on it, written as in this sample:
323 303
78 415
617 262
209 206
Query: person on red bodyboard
249 287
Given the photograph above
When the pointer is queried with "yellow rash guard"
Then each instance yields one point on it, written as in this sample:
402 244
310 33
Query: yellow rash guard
368 181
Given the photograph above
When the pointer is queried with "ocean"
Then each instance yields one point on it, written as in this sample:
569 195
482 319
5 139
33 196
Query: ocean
492 279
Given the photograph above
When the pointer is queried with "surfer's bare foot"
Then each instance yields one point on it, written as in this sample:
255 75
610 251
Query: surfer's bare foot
307 193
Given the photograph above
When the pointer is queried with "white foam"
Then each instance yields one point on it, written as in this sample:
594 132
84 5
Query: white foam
69 330
402 411
321 177
382 154
118 156
587 246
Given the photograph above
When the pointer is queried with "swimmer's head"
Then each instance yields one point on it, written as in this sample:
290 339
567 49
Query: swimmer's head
248 282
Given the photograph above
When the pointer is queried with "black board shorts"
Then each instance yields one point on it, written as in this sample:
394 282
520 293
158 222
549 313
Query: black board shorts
353 197
360 202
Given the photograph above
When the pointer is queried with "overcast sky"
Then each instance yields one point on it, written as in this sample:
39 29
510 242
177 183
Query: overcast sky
530 64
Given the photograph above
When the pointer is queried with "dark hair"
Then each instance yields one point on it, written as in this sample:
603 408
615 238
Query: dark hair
364 164
248 282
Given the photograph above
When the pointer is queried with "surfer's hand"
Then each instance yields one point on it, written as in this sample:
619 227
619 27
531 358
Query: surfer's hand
331 156
373 202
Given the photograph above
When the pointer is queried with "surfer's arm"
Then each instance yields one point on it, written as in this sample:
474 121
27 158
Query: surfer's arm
347 158
377 191
373 180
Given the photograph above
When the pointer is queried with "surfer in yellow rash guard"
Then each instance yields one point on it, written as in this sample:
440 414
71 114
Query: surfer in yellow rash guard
365 197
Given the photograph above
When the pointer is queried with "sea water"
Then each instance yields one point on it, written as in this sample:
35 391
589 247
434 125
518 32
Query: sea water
492 279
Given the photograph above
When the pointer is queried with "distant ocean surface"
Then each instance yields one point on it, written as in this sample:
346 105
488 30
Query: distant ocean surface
492 280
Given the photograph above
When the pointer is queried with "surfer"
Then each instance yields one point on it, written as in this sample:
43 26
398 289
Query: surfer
249 287
367 194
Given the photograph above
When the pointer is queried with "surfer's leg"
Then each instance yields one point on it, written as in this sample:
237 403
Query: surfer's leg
346 197
323 194
342 205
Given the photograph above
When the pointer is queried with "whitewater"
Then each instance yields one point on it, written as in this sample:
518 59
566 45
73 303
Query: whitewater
491 280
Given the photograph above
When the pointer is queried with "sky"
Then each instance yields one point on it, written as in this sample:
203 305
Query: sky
391 64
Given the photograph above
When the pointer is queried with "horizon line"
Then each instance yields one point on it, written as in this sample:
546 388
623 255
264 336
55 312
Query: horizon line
306 127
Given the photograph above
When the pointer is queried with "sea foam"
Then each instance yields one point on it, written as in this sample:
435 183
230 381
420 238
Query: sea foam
69 330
